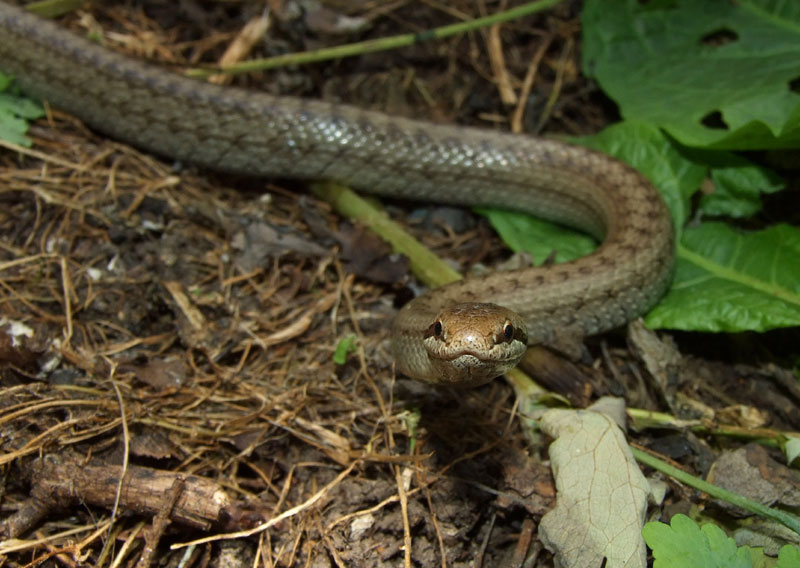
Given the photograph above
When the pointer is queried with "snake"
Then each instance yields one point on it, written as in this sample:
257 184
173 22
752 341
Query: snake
462 334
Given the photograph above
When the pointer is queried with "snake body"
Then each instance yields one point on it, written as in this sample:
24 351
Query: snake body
249 132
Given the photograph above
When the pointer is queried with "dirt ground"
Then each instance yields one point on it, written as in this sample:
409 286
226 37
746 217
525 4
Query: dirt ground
182 324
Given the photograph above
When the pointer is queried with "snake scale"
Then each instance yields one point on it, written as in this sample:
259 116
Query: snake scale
464 333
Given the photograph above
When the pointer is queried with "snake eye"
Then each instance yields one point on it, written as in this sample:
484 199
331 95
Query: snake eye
434 330
508 331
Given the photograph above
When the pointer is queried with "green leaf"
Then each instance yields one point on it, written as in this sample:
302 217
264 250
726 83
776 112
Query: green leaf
738 190
54 8
758 559
343 349
15 111
683 544
788 557
791 447
738 183
726 280
539 238
713 74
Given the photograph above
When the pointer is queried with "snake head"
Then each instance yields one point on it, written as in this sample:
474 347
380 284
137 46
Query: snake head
469 344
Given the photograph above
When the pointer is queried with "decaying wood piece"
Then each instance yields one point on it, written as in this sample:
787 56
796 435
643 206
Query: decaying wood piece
58 482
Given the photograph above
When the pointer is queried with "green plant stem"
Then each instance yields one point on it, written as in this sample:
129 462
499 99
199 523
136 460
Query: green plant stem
426 266
643 419
371 46
54 8
787 519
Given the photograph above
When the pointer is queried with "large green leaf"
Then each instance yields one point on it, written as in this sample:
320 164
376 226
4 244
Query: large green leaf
728 280
715 73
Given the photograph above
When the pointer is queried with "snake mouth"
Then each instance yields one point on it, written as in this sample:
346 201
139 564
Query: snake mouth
482 357
465 369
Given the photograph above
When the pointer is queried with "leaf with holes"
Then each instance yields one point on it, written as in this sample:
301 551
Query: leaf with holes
713 74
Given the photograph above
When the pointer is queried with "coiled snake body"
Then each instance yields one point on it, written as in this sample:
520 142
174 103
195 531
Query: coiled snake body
254 133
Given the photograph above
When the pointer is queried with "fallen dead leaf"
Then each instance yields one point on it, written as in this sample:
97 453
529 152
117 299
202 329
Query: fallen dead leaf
602 494
750 471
